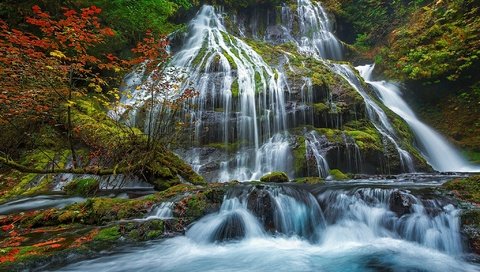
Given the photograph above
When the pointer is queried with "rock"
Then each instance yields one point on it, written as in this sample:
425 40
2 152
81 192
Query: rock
338 175
261 205
275 177
233 228
400 203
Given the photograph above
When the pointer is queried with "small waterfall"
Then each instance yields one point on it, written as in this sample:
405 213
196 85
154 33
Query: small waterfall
316 37
440 154
365 213
376 115
355 215
253 212
162 211
287 228
353 154
316 146
233 221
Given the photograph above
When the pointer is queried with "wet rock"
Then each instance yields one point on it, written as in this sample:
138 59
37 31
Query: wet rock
401 203
232 228
260 204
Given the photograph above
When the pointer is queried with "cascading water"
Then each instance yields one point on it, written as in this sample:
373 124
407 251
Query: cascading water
377 116
229 75
162 211
438 152
285 228
316 31
315 146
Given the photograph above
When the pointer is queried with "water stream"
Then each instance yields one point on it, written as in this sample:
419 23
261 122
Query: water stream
437 150
354 227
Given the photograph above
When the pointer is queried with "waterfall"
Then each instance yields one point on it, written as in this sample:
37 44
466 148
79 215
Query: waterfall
316 36
349 215
229 75
253 212
162 211
365 213
440 154
375 113
292 228
316 147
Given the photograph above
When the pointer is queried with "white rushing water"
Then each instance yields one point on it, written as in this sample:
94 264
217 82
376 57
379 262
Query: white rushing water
289 229
440 154
316 31
315 146
238 88
376 114
162 211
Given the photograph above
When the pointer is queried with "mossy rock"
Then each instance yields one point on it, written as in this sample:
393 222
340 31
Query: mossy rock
278 177
466 188
108 234
338 175
309 180
83 187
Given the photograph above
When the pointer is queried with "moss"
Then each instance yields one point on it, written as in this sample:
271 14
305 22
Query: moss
300 156
275 177
82 187
321 107
338 175
108 234
365 135
235 89
466 188
196 205
309 180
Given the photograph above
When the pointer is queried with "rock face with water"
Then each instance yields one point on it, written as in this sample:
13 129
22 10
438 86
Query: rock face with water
272 98
307 226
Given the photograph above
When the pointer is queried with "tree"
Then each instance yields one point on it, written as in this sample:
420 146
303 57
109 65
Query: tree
57 62
42 71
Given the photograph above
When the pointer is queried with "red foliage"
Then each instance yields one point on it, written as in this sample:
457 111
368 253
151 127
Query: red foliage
10 256
36 70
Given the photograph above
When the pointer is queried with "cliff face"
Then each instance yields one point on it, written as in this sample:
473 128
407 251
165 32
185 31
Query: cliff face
305 101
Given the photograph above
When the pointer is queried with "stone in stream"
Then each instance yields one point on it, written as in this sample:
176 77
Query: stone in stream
275 177
400 203
260 204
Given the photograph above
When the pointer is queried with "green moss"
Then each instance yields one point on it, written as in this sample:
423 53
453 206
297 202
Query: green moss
321 107
300 156
196 205
467 188
309 180
275 177
83 187
338 175
365 135
108 234
235 88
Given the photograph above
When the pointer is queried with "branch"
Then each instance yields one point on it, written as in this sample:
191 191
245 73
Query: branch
79 171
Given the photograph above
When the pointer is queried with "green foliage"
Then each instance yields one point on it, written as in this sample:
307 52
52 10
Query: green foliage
275 177
467 188
439 41
133 18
